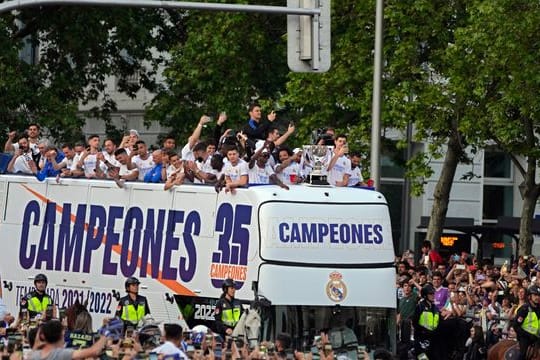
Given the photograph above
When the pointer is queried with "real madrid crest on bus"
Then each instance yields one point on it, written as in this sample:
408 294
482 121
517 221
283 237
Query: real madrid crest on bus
336 288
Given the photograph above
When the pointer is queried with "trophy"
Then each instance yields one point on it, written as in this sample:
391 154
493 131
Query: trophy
317 158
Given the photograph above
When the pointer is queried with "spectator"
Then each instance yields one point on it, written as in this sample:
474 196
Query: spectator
173 342
200 170
339 167
235 171
157 172
356 178
31 134
476 347
169 143
141 159
429 258
129 141
187 150
89 160
260 172
123 174
254 129
109 147
441 293
288 170
405 313
52 158
51 336
22 161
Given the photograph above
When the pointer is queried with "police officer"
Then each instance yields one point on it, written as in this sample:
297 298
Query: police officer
133 307
527 321
228 309
425 322
37 302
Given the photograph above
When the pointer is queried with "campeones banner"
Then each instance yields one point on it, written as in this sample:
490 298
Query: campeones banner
161 244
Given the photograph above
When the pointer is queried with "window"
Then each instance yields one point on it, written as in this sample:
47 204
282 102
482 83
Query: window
497 164
498 201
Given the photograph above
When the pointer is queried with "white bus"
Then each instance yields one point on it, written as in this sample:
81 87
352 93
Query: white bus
309 250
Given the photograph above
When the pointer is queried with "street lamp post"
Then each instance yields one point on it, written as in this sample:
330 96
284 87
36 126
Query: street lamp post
376 103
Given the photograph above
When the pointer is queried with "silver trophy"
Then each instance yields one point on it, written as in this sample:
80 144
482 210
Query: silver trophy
317 158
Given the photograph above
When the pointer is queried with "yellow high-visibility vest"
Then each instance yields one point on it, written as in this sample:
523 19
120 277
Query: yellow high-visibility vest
230 316
429 320
530 324
133 314
38 306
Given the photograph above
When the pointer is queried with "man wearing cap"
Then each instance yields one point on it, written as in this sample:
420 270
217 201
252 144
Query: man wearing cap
526 322
228 309
133 307
37 302
425 322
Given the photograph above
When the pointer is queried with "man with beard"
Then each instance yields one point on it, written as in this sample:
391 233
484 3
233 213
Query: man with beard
31 134
356 178
21 161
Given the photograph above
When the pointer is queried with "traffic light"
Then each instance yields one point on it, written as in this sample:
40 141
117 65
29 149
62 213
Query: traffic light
308 37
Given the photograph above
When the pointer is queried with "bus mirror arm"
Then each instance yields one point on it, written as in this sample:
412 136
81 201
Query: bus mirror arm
169 298
8 285
116 294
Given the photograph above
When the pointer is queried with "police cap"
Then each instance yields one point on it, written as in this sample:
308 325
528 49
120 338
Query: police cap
227 283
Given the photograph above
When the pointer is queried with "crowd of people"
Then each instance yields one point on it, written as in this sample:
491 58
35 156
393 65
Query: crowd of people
43 331
227 159
454 308
457 308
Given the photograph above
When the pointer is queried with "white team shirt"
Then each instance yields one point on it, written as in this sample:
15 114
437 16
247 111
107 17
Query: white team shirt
187 153
259 175
21 164
340 168
356 176
235 172
285 174
144 166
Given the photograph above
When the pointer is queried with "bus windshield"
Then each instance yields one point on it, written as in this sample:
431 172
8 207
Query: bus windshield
347 327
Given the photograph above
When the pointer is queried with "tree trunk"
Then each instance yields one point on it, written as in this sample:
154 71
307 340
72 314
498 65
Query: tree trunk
441 193
530 195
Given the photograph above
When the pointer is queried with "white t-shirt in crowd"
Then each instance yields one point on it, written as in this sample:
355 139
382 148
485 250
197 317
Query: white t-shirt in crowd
168 348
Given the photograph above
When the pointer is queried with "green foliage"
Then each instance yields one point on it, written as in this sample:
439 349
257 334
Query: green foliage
78 48
340 98
227 61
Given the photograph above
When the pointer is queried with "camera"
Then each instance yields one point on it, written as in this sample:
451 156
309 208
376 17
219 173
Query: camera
319 135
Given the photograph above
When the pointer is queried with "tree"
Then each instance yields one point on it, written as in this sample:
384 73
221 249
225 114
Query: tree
227 61
77 49
417 34
497 70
